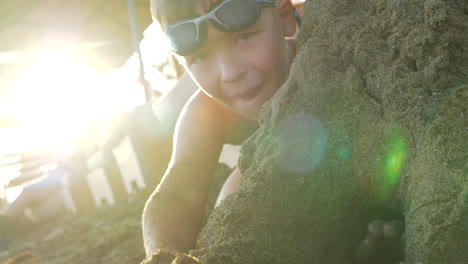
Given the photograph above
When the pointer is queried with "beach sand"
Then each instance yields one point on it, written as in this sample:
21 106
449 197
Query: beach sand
106 234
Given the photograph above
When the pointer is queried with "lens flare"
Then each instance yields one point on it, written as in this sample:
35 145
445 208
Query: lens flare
395 157
343 153
395 160
378 157
303 142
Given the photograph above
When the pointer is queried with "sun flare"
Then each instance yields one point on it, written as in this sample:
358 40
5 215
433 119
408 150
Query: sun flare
58 96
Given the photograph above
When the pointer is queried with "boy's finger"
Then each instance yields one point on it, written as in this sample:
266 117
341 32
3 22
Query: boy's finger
374 229
392 230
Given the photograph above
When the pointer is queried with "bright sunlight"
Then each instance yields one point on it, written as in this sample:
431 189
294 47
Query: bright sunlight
58 96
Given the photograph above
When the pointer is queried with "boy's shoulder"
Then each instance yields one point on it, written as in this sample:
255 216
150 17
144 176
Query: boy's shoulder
201 110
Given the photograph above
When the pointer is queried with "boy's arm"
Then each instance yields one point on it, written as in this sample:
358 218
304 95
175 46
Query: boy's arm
173 214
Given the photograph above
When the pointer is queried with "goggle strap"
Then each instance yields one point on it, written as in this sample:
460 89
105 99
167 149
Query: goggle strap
197 31
267 3
298 17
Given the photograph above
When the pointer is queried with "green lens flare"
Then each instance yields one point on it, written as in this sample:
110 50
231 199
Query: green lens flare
344 153
394 161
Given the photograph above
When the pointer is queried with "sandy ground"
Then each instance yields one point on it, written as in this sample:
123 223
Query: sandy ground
107 234
104 235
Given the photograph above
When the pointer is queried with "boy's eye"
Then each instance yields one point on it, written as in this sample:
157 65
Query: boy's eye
202 56
198 57
244 36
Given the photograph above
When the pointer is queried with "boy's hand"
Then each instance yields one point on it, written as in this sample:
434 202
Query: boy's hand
164 257
384 244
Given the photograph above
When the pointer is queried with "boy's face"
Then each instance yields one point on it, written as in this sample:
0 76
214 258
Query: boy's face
242 70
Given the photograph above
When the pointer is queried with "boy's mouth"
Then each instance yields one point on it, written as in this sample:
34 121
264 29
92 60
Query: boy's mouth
248 94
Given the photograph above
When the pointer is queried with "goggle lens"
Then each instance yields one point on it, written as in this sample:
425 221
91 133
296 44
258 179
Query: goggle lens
237 15
183 37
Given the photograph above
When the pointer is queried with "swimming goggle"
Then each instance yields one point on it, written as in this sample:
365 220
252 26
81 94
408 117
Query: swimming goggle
228 16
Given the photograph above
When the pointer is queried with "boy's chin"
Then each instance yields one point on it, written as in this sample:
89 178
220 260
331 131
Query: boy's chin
251 114
252 117
249 109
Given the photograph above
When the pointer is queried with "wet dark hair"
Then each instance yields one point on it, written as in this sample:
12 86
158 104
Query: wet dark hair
169 11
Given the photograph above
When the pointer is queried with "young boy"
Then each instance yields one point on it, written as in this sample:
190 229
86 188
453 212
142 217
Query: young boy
239 53
237 72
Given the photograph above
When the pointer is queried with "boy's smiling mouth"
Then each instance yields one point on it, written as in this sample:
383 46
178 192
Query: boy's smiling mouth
248 102
248 94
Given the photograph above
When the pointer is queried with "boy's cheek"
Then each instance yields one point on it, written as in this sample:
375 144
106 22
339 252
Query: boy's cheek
206 79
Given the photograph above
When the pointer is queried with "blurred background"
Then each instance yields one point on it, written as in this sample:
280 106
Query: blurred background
71 86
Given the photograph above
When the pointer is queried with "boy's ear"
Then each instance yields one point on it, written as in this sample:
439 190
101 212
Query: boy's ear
286 12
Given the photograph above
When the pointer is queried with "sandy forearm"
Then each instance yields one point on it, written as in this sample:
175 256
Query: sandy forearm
174 212
169 223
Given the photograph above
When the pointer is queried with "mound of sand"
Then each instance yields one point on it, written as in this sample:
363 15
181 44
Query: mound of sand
372 116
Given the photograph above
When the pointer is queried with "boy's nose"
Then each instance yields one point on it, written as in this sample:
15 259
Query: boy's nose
231 67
